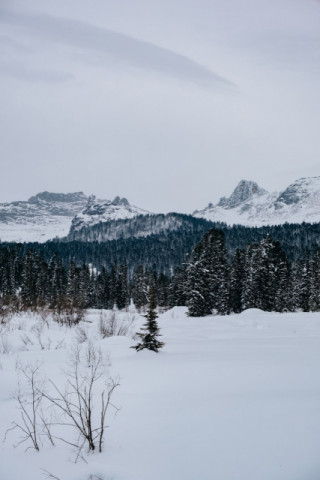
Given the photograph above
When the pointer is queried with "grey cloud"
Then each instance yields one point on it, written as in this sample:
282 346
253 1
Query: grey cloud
120 46
287 49
9 43
23 72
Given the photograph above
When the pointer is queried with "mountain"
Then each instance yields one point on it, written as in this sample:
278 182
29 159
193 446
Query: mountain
244 192
74 216
138 226
251 205
42 217
103 211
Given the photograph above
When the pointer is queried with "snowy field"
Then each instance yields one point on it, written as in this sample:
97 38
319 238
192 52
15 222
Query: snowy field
35 231
228 398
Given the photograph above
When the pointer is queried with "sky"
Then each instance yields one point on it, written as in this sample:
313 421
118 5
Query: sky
169 103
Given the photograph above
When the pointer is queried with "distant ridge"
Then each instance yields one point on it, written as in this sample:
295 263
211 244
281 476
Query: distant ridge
102 211
251 205
74 216
42 217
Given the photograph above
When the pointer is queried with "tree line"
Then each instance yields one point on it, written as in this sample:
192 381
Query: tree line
209 280
28 281
166 250
258 276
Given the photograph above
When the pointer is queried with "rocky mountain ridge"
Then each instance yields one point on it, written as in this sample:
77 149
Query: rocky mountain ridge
73 215
251 205
103 211
42 217
244 191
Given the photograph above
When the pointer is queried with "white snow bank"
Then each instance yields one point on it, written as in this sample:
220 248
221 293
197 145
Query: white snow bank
228 398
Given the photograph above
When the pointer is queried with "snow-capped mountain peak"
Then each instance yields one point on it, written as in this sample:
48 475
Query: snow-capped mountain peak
121 201
97 211
244 191
305 191
61 198
42 217
48 215
251 205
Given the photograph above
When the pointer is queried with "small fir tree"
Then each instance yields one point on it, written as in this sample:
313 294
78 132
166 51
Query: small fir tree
149 338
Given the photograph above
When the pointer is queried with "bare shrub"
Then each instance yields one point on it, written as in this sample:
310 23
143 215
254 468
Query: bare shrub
69 316
44 313
54 477
60 344
82 405
29 406
21 325
5 311
77 403
4 344
81 334
50 475
26 340
112 325
37 330
9 305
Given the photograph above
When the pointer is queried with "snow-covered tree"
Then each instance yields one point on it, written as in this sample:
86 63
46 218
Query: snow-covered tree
149 335
207 277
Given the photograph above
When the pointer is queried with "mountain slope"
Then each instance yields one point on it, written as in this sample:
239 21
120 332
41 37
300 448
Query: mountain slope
250 205
74 216
42 217
137 227
102 211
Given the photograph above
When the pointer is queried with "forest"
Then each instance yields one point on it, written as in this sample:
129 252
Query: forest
212 276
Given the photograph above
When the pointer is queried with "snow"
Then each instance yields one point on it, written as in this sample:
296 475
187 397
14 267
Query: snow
41 218
47 216
303 205
231 398
34 231
103 211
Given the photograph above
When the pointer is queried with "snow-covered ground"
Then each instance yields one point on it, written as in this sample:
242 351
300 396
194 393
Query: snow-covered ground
31 231
228 398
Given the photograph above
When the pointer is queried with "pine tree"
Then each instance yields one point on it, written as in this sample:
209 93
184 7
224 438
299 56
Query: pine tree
302 284
178 285
314 301
57 282
237 281
29 280
121 292
207 277
149 339
139 288
162 290
283 281
198 290
102 290
113 285
267 277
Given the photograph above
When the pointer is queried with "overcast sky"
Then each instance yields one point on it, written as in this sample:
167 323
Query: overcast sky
169 103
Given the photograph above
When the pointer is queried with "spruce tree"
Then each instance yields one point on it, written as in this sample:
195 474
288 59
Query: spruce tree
150 329
121 292
207 277
302 284
283 281
314 301
236 281
178 285
139 288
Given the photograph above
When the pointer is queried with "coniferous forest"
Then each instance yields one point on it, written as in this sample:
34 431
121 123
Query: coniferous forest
220 272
